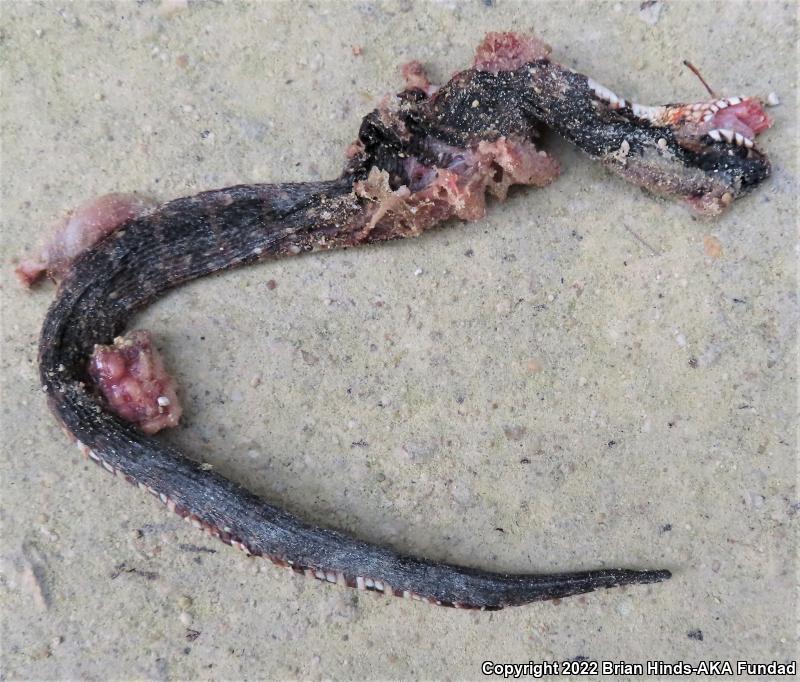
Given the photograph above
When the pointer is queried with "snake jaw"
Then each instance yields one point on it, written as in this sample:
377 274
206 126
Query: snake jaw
733 120
704 152
736 120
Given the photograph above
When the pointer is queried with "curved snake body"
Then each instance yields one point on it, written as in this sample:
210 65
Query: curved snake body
374 199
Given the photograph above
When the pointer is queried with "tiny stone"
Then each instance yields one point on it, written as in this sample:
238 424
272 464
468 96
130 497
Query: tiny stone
317 62
534 366
185 602
650 11
712 247
185 618
516 432
503 307
773 100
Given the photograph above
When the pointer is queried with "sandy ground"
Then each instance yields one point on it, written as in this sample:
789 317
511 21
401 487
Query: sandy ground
596 372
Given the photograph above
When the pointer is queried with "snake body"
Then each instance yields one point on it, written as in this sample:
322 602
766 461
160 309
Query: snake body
188 238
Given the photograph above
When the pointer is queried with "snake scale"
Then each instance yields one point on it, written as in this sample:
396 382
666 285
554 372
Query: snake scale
426 155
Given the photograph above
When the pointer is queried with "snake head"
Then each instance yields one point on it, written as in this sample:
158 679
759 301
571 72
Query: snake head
704 152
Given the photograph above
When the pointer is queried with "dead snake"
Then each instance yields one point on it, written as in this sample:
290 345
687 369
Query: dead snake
402 150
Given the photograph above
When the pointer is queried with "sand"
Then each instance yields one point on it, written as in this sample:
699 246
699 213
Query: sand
588 377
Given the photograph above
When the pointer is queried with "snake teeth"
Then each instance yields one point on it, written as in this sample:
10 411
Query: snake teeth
602 92
731 137
645 112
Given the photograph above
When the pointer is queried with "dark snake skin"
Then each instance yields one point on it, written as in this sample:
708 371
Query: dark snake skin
212 231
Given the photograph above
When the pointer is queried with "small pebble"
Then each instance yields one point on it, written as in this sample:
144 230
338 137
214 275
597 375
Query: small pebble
185 602
170 7
516 432
712 247
317 62
503 307
185 618
650 11
534 366
773 100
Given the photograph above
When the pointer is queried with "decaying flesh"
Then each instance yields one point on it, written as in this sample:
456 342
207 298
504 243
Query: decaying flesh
79 231
130 376
422 157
